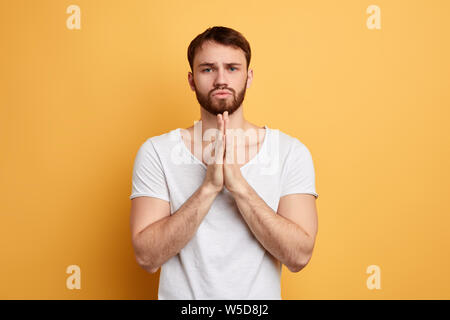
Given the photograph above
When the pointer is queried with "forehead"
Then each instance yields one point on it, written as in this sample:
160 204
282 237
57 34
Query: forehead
213 52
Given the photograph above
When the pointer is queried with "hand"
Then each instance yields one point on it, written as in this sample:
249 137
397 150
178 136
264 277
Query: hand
214 173
233 179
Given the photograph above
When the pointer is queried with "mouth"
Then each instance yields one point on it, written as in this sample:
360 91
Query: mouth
221 93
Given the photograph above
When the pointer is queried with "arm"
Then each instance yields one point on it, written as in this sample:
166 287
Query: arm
159 241
157 235
289 235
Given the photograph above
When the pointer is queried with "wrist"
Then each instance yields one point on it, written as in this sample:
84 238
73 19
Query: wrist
209 190
240 189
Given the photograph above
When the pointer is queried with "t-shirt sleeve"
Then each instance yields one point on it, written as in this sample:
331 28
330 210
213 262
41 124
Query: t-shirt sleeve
148 175
298 173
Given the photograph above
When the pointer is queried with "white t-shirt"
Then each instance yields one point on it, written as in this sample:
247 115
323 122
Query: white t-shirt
223 260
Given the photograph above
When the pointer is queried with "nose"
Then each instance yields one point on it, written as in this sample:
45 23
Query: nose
220 79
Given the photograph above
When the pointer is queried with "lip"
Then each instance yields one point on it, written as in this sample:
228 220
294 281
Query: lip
221 93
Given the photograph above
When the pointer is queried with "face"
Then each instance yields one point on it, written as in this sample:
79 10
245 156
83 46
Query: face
219 68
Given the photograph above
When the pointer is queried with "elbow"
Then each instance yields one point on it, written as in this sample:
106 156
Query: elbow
296 268
302 259
141 260
145 265
151 270
300 264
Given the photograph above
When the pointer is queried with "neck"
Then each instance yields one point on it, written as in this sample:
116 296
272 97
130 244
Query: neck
236 120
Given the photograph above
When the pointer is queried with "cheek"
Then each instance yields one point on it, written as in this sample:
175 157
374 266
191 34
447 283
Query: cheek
239 80
202 83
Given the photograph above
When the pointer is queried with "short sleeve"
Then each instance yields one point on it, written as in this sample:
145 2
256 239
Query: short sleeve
148 175
298 173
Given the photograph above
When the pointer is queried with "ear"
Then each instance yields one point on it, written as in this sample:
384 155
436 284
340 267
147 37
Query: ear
191 81
249 78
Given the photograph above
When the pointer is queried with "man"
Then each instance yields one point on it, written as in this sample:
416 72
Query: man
220 228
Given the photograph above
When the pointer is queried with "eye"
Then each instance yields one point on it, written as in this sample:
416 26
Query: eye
232 68
206 69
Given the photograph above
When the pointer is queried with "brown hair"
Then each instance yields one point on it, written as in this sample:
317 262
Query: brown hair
222 35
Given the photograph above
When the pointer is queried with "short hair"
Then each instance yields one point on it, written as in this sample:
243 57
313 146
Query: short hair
222 35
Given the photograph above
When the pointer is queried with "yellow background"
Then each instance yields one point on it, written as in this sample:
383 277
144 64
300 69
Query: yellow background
372 106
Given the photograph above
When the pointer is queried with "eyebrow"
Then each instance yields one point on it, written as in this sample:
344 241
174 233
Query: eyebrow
208 64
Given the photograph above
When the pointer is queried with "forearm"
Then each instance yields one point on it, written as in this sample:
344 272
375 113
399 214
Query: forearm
166 237
285 240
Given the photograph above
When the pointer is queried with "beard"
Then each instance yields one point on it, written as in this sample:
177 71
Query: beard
216 105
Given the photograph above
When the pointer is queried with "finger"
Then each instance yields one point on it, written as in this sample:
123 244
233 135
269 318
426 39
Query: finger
225 117
219 118
218 149
220 124
228 136
225 122
218 154
225 128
